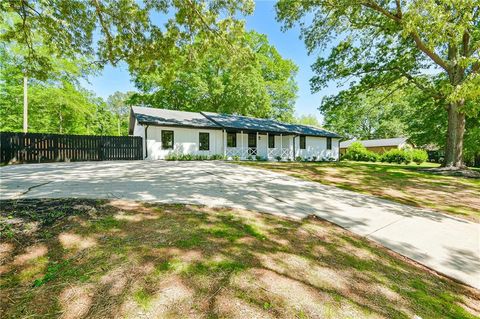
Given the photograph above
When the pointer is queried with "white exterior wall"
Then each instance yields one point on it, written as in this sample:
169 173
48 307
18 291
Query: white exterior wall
139 130
317 146
185 141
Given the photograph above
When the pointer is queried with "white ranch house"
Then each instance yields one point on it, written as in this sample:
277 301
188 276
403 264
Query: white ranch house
166 132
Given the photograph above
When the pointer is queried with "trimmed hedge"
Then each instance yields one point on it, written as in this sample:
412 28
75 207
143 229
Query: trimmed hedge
396 156
192 157
419 156
357 152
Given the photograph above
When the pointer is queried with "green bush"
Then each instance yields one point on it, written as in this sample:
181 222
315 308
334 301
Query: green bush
217 157
419 156
278 158
236 158
192 157
298 159
171 157
397 156
357 152
260 158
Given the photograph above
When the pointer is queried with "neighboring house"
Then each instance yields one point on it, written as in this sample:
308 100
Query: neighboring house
167 132
378 146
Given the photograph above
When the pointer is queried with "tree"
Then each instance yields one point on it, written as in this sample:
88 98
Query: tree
382 42
307 119
47 31
123 29
378 114
118 105
57 105
218 80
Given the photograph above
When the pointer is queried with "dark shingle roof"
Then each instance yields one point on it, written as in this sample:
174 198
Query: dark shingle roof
245 123
310 130
396 141
153 116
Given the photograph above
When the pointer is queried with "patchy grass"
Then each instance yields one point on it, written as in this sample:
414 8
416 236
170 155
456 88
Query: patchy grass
406 184
125 259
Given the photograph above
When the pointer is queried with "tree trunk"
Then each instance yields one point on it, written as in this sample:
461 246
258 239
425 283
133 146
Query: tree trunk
25 103
455 132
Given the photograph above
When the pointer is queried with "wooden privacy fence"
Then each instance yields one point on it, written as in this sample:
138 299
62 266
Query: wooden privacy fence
38 147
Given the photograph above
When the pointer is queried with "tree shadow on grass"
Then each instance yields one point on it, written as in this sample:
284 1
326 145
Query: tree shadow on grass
119 259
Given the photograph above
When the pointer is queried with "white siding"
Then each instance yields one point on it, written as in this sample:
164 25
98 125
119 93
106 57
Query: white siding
139 130
185 141
317 146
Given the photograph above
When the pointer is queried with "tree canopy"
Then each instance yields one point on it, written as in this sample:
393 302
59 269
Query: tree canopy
377 44
111 31
224 82
307 119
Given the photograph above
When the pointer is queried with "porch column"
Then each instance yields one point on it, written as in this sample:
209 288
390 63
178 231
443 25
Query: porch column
267 145
256 143
241 148
281 146
224 139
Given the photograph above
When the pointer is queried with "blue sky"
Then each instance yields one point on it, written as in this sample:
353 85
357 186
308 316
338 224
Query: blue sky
263 21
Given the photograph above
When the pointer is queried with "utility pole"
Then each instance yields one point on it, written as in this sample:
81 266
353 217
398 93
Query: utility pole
25 103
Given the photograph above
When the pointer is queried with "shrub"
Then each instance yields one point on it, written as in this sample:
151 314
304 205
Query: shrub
397 156
260 158
314 158
419 156
236 158
217 157
171 157
298 159
278 158
249 157
192 157
357 152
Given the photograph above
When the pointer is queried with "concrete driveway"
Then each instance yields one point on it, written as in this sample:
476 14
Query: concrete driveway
446 244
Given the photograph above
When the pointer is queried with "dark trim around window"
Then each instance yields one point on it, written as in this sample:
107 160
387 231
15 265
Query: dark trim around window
303 142
231 139
329 143
167 140
271 141
203 141
252 140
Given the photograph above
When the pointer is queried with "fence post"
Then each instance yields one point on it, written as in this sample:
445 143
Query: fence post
100 149
55 148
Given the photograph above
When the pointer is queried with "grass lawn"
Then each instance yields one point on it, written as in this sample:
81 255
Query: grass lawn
406 184
89 258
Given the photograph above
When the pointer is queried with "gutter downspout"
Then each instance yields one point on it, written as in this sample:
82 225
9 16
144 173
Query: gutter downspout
146 145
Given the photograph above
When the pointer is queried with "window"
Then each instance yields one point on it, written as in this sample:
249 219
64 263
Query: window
329 143
252 140
271 141
204 141
167 140
303 142
231 139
